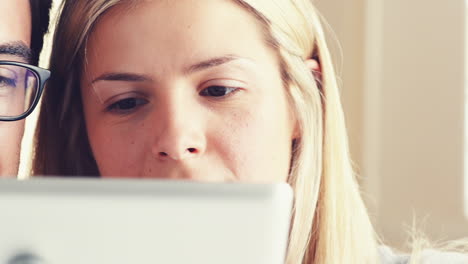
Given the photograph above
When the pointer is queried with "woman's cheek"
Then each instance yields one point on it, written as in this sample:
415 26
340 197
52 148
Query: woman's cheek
116 150
248 147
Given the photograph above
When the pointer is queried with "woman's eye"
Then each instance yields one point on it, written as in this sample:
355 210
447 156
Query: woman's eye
126 105
217 91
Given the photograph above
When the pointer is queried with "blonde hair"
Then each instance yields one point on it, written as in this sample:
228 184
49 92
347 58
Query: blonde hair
339 230
330 222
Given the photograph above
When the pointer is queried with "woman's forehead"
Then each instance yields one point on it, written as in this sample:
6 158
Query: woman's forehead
179 21
175 33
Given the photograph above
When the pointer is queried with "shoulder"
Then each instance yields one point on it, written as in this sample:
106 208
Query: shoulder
388 256
428 256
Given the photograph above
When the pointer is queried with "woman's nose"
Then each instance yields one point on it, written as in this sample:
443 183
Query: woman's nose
178 154
181 135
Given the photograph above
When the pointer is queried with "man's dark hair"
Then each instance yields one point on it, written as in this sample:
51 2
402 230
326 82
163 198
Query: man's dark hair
39 24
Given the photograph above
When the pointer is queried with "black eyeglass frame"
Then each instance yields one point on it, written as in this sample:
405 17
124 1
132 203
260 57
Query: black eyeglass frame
42 75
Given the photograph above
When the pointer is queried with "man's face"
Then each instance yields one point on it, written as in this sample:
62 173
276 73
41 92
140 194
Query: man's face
15 40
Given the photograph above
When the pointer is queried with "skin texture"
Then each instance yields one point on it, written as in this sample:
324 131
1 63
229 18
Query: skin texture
161 120
15 29
13 83
176 132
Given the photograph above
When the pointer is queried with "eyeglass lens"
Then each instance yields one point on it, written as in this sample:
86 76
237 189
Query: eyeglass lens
18 89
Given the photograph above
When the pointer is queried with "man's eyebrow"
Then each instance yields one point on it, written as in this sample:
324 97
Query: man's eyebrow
16 48
210 63
122 76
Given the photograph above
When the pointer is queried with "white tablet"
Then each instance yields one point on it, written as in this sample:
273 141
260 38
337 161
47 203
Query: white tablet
86 221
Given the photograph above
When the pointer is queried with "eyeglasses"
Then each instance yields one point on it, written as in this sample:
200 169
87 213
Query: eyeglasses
21 87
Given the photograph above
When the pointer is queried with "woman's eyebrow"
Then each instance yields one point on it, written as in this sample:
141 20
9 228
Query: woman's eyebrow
133 77
122 76
213 62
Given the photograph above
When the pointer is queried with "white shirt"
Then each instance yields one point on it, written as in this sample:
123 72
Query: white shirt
428 256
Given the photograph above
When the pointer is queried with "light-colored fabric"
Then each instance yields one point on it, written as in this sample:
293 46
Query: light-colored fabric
387 256
436 257
429 256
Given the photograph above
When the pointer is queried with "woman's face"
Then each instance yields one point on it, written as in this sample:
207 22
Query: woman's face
186 89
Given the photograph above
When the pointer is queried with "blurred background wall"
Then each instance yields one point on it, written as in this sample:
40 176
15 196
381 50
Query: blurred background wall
403 87
401 68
